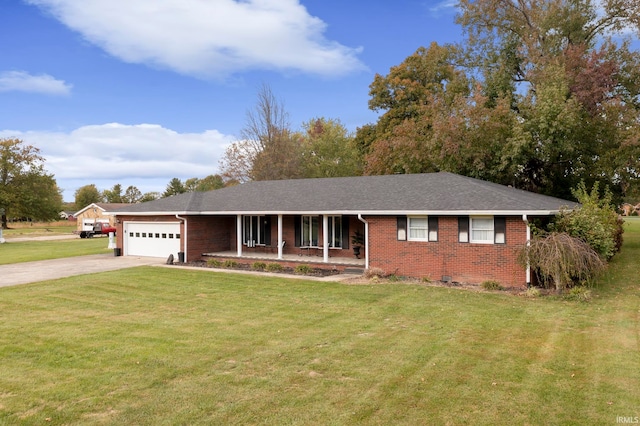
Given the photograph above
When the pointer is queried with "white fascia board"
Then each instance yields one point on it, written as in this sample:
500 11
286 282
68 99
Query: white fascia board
383 213
158 213
347 212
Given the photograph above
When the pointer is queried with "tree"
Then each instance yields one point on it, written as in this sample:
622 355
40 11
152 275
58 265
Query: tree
208 183
86 195
328 150
25 188
114 195
132 195
268 149
540 96
174 187
574 88
149 196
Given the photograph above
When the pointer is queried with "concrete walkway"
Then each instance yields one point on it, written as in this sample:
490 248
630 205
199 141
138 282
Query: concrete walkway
30 272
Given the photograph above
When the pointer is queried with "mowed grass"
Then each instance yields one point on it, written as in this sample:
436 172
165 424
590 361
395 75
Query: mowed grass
28 251
38 229
170 346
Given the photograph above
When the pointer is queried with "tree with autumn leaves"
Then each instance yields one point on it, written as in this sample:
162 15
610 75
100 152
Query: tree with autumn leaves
541 96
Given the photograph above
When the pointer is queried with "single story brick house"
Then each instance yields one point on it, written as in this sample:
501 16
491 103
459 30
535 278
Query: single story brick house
440 226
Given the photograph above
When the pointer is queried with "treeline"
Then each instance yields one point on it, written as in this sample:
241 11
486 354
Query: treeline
539 95
88 194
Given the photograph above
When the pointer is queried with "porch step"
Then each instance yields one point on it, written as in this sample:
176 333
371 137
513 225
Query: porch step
358 271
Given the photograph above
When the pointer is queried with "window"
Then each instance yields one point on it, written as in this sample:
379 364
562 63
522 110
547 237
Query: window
253 230
482 230
309 231
335 231
418 228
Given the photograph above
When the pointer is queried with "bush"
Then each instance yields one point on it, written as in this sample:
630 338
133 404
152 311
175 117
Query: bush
230 264
532 292
595 222
491 285
258 266
374 272
579 294
274 267
214 263
562 260
303 269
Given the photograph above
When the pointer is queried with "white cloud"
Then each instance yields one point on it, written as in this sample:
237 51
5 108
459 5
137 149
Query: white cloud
21 81
213 38
445 6
145 155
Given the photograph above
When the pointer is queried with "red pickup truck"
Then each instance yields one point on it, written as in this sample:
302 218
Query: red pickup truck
98 229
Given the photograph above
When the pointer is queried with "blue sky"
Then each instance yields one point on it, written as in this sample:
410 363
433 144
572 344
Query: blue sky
139 92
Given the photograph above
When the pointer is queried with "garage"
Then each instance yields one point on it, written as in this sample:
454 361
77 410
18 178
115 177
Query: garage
152 239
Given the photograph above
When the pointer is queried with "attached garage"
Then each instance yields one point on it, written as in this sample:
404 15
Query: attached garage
151 239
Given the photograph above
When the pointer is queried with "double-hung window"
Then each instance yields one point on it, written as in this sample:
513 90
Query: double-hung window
310 225
253 231
482 229
418 228
335 231
422 228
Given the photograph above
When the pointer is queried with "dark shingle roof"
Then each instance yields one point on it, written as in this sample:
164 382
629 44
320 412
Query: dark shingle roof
442 193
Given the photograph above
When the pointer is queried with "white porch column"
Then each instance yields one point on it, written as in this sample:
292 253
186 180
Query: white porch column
280 236
239 234
325 238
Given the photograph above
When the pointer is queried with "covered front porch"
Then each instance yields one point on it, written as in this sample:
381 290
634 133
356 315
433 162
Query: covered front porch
321 241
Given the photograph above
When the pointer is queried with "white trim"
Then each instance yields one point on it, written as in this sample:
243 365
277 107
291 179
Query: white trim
346 212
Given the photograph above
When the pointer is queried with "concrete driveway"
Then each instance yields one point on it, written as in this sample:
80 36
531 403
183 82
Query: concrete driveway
29 272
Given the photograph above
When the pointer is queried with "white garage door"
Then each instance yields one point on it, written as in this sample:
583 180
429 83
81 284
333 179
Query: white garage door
151 239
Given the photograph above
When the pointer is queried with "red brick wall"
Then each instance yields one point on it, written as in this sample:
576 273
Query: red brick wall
463 262
209 234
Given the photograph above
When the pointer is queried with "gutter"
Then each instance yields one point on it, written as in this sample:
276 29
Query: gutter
366 240
184 219
528 243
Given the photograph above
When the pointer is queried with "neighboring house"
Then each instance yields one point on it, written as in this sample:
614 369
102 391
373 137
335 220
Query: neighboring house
96 213
67 215
439 226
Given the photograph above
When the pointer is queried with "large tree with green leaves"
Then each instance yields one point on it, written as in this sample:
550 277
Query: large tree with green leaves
113 195
86 195
329 150
26 189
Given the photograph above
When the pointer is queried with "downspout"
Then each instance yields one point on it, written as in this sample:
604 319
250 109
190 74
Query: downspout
366 240
528 243
184 219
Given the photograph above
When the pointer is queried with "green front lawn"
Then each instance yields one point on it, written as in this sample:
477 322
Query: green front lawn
28 251
171 346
